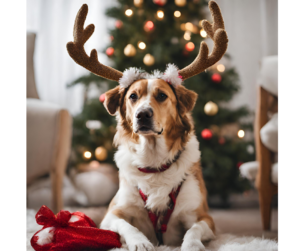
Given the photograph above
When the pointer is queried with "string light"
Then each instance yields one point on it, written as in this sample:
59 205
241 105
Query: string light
187 35
149 26
203 33
87 154
189 26
160 14
220 68
241 134
128 12
142 45
177 13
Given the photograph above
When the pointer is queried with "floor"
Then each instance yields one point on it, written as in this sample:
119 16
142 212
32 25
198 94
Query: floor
235 221
244 222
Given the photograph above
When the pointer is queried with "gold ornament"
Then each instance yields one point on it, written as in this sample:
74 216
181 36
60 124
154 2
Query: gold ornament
215 129
138 3
180 3
211 108
101 153
149 60
129 50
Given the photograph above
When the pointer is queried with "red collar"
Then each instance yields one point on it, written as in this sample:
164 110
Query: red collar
152 170
162 168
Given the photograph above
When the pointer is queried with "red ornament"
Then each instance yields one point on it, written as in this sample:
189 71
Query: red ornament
102 98
119 24
71 231
149 26
160 2
190 46
222 141
206 134
110 51
216 78
111 38
239 164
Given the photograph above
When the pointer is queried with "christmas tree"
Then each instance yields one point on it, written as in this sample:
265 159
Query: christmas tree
149 34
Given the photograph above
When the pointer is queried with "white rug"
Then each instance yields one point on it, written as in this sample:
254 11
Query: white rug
223 242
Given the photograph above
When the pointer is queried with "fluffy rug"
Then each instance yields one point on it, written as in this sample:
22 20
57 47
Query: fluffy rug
223 242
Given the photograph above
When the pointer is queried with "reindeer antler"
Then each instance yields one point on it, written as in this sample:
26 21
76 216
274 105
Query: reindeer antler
77 52
217 33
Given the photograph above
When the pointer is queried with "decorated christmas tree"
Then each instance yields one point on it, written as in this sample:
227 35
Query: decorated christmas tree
149 34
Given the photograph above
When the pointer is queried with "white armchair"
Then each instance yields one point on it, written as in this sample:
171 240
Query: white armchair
48 135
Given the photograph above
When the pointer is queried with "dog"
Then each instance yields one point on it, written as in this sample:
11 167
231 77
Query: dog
162 197
154 128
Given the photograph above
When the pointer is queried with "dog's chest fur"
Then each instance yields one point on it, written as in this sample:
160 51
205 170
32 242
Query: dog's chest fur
157 186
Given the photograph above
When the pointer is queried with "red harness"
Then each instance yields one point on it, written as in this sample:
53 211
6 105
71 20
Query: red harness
164 216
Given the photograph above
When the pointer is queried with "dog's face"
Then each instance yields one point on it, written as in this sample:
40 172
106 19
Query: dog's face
150 107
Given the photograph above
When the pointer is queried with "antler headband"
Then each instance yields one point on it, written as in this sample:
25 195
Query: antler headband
215 31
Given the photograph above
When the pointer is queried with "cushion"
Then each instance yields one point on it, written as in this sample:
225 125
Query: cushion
269 134
97 186
249 170
30 80
269 74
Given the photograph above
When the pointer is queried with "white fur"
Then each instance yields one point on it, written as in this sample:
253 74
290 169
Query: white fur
170 75
200 231
129 157
45 236
135 240
129 76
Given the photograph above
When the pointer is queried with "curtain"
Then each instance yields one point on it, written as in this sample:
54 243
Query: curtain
53 21
252 27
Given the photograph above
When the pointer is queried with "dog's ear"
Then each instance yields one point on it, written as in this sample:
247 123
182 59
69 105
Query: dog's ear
186 99
113 99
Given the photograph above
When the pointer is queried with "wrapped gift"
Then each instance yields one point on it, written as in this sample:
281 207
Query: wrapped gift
71 231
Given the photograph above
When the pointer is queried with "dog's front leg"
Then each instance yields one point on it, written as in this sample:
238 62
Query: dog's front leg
135 239
193 238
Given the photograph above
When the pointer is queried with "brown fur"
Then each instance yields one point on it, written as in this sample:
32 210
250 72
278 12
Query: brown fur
202 210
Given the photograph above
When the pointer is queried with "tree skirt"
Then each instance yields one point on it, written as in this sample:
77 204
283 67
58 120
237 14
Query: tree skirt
223 242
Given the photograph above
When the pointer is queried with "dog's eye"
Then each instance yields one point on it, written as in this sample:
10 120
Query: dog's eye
133 97
161 97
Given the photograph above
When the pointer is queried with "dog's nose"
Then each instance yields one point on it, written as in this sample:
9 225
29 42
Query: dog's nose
144 114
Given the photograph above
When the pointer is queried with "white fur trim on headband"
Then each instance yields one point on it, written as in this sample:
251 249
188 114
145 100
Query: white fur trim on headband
129 76
170 76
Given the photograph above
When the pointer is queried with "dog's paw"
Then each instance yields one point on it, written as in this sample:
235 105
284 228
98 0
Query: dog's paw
192 245
139 242
141 246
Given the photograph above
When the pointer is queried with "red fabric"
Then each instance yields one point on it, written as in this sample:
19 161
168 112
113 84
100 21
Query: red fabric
153 170
73 236
167 215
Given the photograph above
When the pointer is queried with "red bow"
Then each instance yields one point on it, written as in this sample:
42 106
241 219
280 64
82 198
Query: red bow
46 217
80 234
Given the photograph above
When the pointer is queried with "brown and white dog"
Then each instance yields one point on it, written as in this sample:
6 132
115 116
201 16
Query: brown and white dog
162 195
154 125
